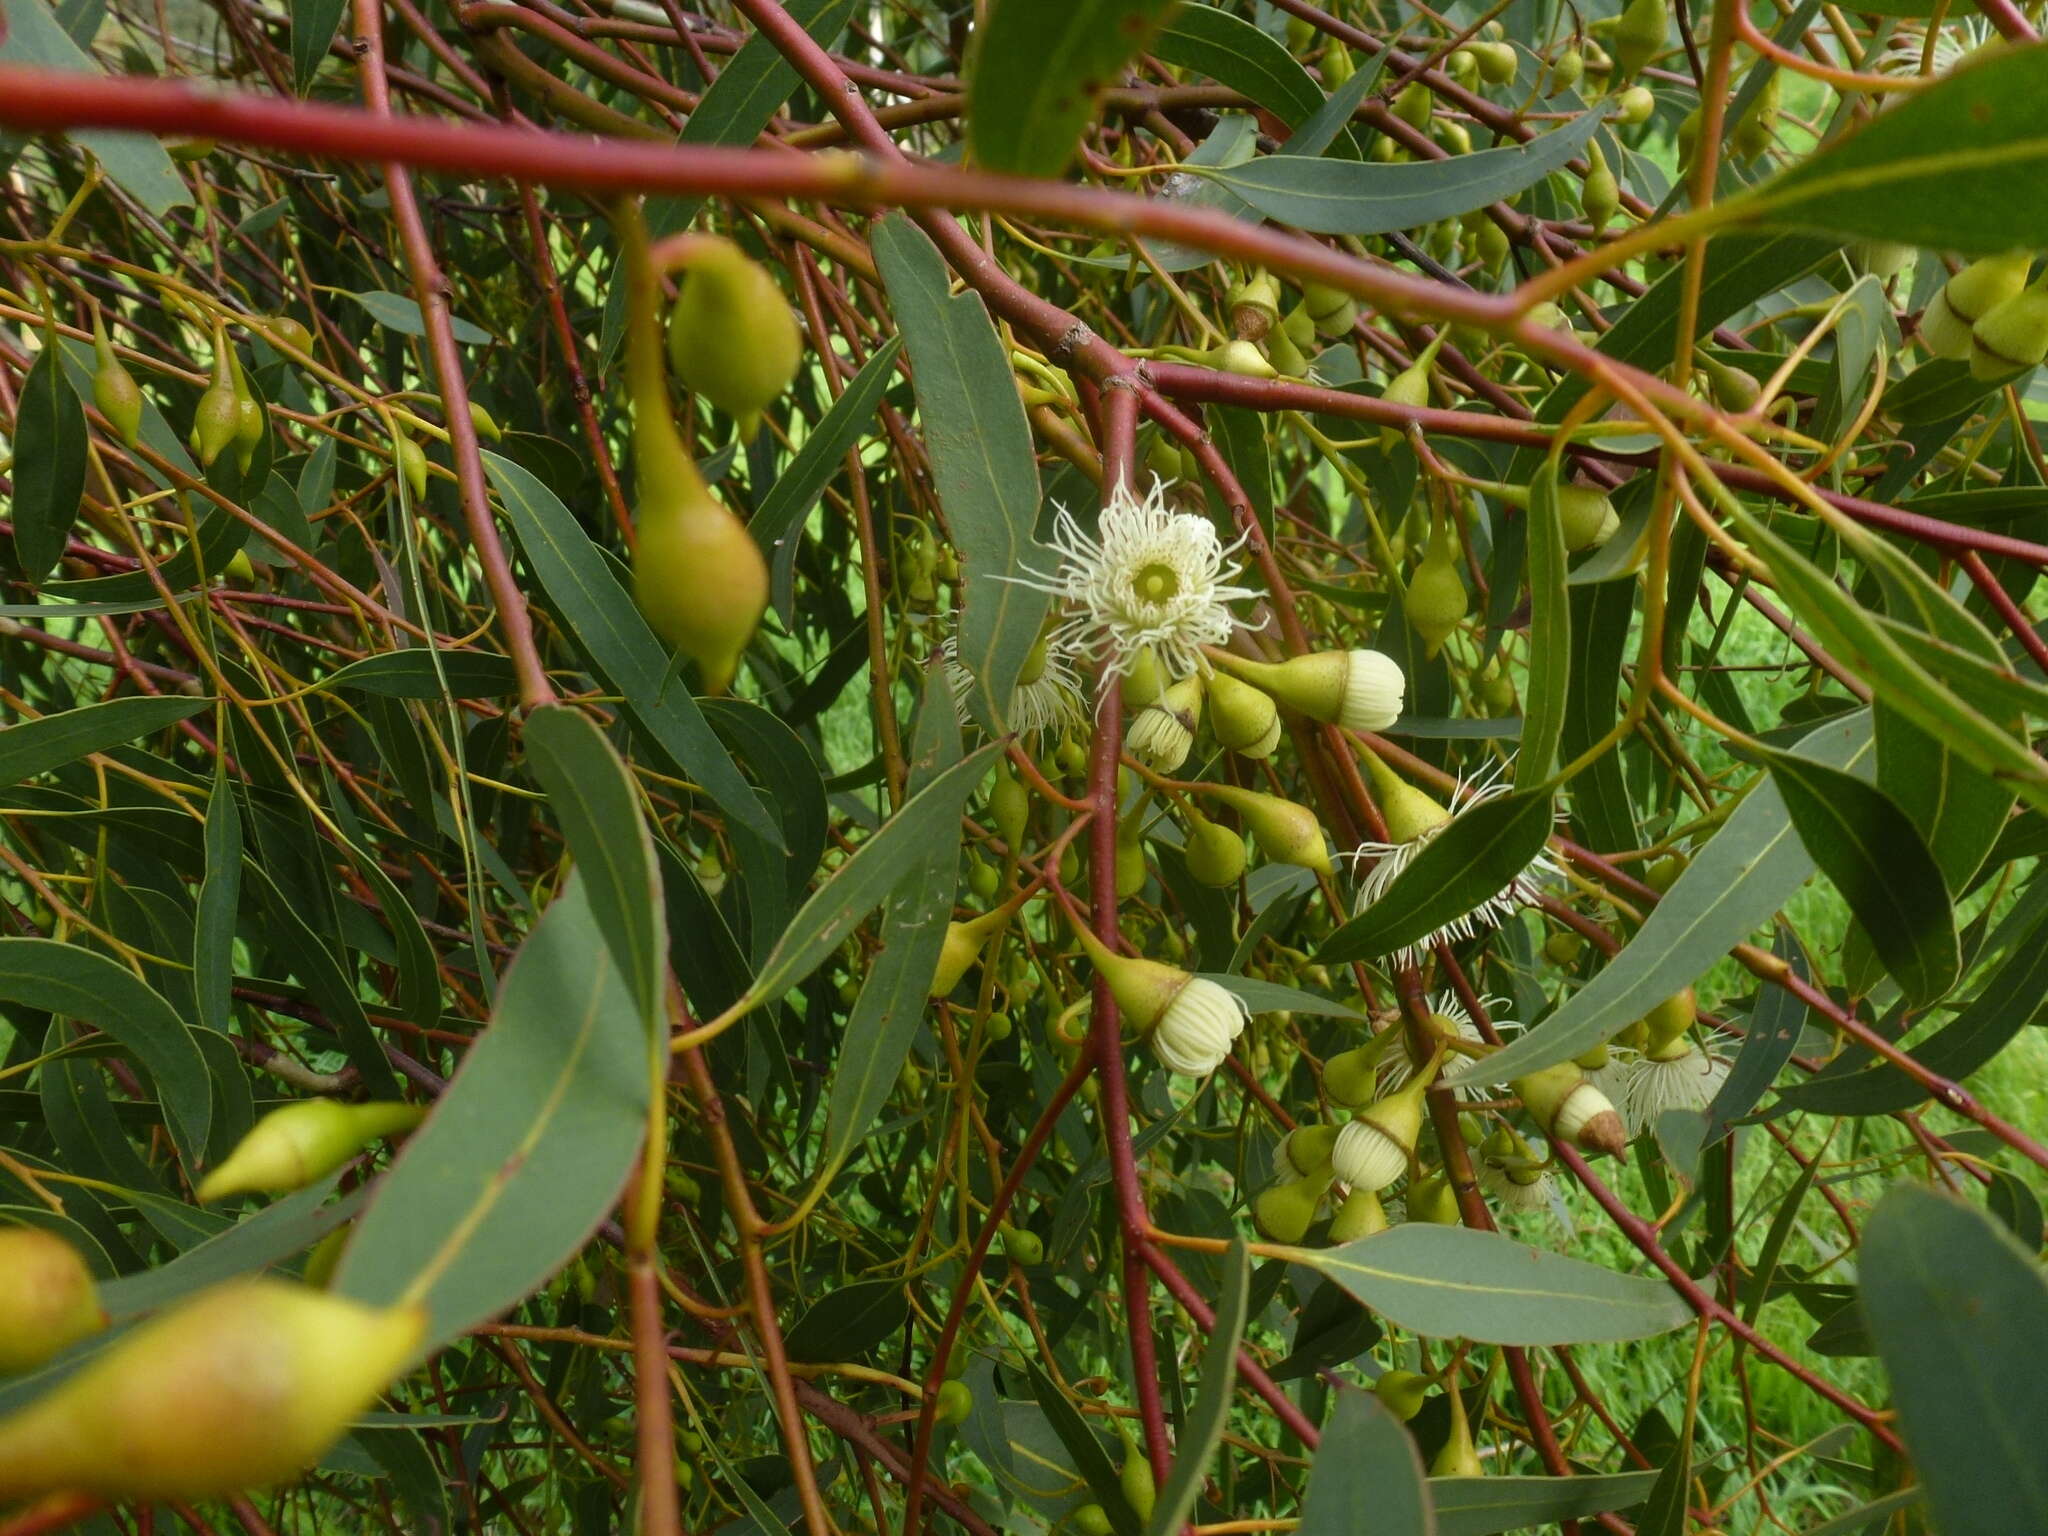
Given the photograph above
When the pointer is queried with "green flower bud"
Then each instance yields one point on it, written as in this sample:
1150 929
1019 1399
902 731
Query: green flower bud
1360 1215
244 1385
1286 833
1563 947
956 1402
1215 855
1757 129
1459 1457
1374 1149
412 463
1401 1393
1092 1520
1193 1022
483 423
2011 337
1338 65
1667 1023
1568 1108
731 336
1436 601
1568 70
1022 1246
1601 194
1130 857
114 390
1351 1078
325 1258
1305 1150
1639 36
1254 306
1285 1211
1434 1201
1968 296
1241 717
48 1301
1408 812
287 332
1360 690
218 417
1499 63
1634 106
1240 357
302 1142
1009 807
1415 104
1332 311
962 946
1164 732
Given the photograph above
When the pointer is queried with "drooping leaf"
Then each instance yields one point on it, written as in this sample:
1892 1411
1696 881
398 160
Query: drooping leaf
1878 861
594 799
823 454
606 624
421 674
1550 634
1488 1506
1455 1282
33 747
860 884
72 982
400 313
982 462
1479 853
314 23
1366 1461
525 1150
1940 169
213 917
1035 71
49 464
1959 1314
1364 197
1231 50
1746 871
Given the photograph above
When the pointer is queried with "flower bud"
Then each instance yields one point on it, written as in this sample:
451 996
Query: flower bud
698 575
956 1402
1499 63
48 1301
1092 1520
250 422
1401 1393
1009 807
1360 1215
1130 857
1409 389
1285 1211
1215 854
1241 717
963 945
1567 71
1255 306
2011 337
1666 1024
291 1147
114 390
1434 1201
1192 1021
1757 129
1284 353
1240 357
1639 36
1286 833
218 416
1374 1149
1359 690
325 1258
1338 65
1305 1150
412 463
484 423
1164 732
1145 683
1436 601
1332 311
1459 1457
1407 811
1564 948
1414 105
1023 1246
1968 296
1568 1108
1601 194
1634 106
288 332
1586 516
1351 1078
244 1385
731 336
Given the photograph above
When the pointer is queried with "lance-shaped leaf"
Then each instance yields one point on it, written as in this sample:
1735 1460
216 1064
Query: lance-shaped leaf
36 746
1366 1460
1035 70
1202 1430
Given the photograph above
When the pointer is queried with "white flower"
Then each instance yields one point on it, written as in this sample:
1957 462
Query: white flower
1160 737
1612 1076
1366 1157
1150 577
1198 1028
1516 1188
1390 859
1045 699
1688 1080
1374 691
1399 1065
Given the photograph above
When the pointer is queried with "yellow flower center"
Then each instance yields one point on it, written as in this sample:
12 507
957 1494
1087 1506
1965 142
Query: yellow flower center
1156 583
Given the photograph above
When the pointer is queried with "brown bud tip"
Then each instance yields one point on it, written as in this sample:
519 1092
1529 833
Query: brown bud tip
1604 1134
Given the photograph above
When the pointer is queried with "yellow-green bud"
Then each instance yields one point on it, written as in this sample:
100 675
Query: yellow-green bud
1436 601
114 390
1241 717
1401 1393
1286 833
1414 105
412 463
1374 1149
1568 1108
1360 1215
1568 70
1215 855
1967 297
1360 690
48 1301
1666 1024
244 1385
1498 62
1639 36
1634 106
1332 311
2010 337
1408 812
1255 306
956 1401
1433 1200
1285 1211
1459 1457
292 1147
731 336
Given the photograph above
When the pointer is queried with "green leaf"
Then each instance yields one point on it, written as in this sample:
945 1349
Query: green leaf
1321 128
1035 71
36 746
1202 1430
1484 1506
219 535
2003 1006
1953 803
895 996
49 465
1769 1036
823 455
526 1149
1454 1282
601 615
1550 634
1663 1513
136 161
1263 996
1478 853
846 1323
1366 1461
1363 197
599 809
213 915
1233 52
982 460
314 23
1746 871
1959 1314
1944 168
402 1454
400 313
421 674
279 1231
859 884
1084 1447
75 983
1877 859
